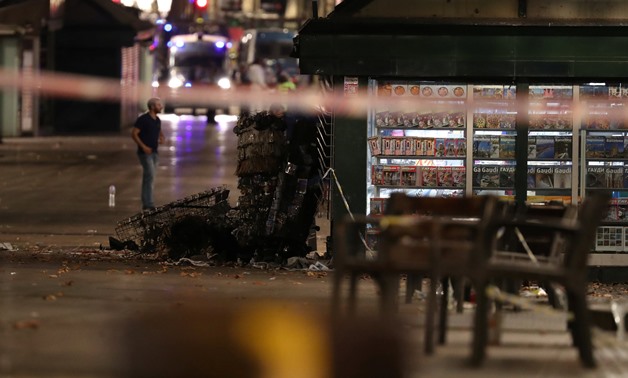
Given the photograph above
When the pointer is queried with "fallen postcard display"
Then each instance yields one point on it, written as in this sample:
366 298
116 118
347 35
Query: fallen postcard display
197 217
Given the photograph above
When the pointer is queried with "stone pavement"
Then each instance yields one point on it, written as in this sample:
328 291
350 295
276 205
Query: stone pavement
91 313
73 310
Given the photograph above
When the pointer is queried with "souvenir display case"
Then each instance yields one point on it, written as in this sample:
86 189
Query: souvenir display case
417 140
604 137
455 139
550 142
552 145
493 114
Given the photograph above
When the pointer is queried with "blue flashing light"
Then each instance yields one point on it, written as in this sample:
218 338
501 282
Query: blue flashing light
220 44
168 27
229 45
180 43
169 44
188 85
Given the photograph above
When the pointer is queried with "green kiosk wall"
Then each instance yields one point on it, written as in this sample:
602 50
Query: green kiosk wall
348 160
436 50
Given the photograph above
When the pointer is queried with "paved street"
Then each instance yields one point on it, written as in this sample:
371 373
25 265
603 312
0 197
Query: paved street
86 313
70 309
54 187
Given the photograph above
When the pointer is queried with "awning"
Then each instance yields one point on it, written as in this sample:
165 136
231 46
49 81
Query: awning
24 15
96 13
429 49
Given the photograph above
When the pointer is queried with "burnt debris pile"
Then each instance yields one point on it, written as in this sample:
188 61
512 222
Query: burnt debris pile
279 196
280 191
189 226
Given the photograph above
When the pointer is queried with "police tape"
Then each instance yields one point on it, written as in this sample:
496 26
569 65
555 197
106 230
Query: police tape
307 98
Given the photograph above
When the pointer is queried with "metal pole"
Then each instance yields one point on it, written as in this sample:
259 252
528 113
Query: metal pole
521 144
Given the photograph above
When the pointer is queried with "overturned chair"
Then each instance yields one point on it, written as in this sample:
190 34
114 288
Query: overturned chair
434 237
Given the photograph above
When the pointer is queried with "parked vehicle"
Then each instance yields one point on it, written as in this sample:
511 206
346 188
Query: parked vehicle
192 61
274 46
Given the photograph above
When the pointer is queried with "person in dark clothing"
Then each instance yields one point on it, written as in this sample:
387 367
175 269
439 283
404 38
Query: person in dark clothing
148 136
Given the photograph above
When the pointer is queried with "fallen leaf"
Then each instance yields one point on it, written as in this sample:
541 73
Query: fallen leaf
129 271
26 324
192 274
50 297
68 283
53 276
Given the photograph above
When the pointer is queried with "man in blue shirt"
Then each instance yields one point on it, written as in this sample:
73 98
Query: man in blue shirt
148 136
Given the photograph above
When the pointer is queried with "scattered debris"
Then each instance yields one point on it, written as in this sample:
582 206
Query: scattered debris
26 324
603 291
118 245
318 266
260 265
52 297
191 274
187 261
532 291
7 247
316 274
297 263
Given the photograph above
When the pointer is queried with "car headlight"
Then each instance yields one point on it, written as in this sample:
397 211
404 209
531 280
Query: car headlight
224 83
175 82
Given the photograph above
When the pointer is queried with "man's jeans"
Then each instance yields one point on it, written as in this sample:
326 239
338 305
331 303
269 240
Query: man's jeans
149 164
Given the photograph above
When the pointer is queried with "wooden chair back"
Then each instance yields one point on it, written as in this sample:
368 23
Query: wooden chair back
594 208
409 246
533 243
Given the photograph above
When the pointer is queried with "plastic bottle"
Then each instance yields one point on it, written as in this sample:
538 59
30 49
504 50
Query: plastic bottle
112 196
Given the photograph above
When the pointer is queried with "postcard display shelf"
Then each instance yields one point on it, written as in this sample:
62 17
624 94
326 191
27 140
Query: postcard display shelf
448 139
417 140
550 144
420 133
604 137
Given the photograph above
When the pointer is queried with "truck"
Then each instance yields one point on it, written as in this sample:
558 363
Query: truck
274 46
195 60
